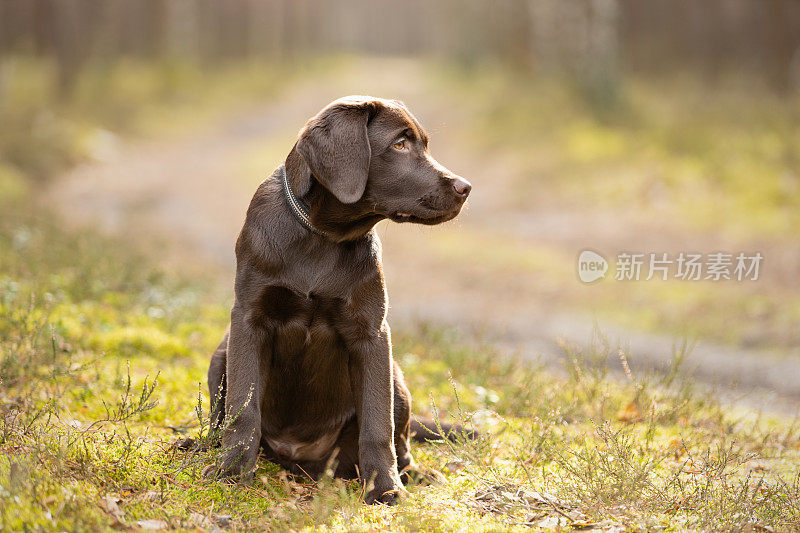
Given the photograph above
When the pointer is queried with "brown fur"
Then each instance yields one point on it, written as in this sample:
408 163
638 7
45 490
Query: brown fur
306 370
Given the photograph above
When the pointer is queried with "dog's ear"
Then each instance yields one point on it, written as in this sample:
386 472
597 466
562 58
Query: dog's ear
335 146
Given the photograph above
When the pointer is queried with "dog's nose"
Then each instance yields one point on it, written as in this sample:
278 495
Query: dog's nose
462 187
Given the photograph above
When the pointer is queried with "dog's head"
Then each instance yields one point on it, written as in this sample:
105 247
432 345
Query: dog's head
372 156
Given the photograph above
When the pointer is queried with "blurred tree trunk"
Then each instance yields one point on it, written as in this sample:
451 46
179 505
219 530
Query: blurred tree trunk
783 42
543 20
588 39
44 26
578 37
156 35
601 57
69 42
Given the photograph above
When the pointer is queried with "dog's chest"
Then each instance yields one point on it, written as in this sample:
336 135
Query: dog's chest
307 393
279 306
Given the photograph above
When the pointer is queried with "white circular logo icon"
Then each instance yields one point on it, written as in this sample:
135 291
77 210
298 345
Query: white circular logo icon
591 266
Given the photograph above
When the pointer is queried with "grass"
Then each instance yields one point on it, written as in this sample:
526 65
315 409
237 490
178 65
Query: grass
103 359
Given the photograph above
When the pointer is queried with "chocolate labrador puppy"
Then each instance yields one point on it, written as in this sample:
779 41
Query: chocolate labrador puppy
305 371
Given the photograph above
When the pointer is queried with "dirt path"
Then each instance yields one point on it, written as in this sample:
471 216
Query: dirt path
195 190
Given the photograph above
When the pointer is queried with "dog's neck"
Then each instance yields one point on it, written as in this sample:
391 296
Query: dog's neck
327 216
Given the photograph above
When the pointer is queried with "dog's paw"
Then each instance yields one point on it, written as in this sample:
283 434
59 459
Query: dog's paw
211 472
382 486
229 471
422 476
231 477
385 497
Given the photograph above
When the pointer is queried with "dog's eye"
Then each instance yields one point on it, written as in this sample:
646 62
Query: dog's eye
399 144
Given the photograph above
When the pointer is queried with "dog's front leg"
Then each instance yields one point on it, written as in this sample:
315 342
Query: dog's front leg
371 379
242 425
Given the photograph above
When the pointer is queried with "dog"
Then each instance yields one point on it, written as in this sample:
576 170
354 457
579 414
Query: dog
305 371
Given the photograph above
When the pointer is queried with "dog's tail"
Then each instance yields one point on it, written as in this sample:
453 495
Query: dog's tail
426 430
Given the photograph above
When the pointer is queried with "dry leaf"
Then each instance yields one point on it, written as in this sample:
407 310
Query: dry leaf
606 526
630 413
111 506
152 524
757 466
552 523
454 466
223 520
151 495
203 522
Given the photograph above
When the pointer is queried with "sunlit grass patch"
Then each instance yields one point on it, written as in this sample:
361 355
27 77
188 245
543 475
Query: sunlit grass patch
103 358
647 452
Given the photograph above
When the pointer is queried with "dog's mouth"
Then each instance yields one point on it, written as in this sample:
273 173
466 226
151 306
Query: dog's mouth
433 218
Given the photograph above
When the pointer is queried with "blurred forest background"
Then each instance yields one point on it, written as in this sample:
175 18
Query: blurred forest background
660 126
133 134
594 40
